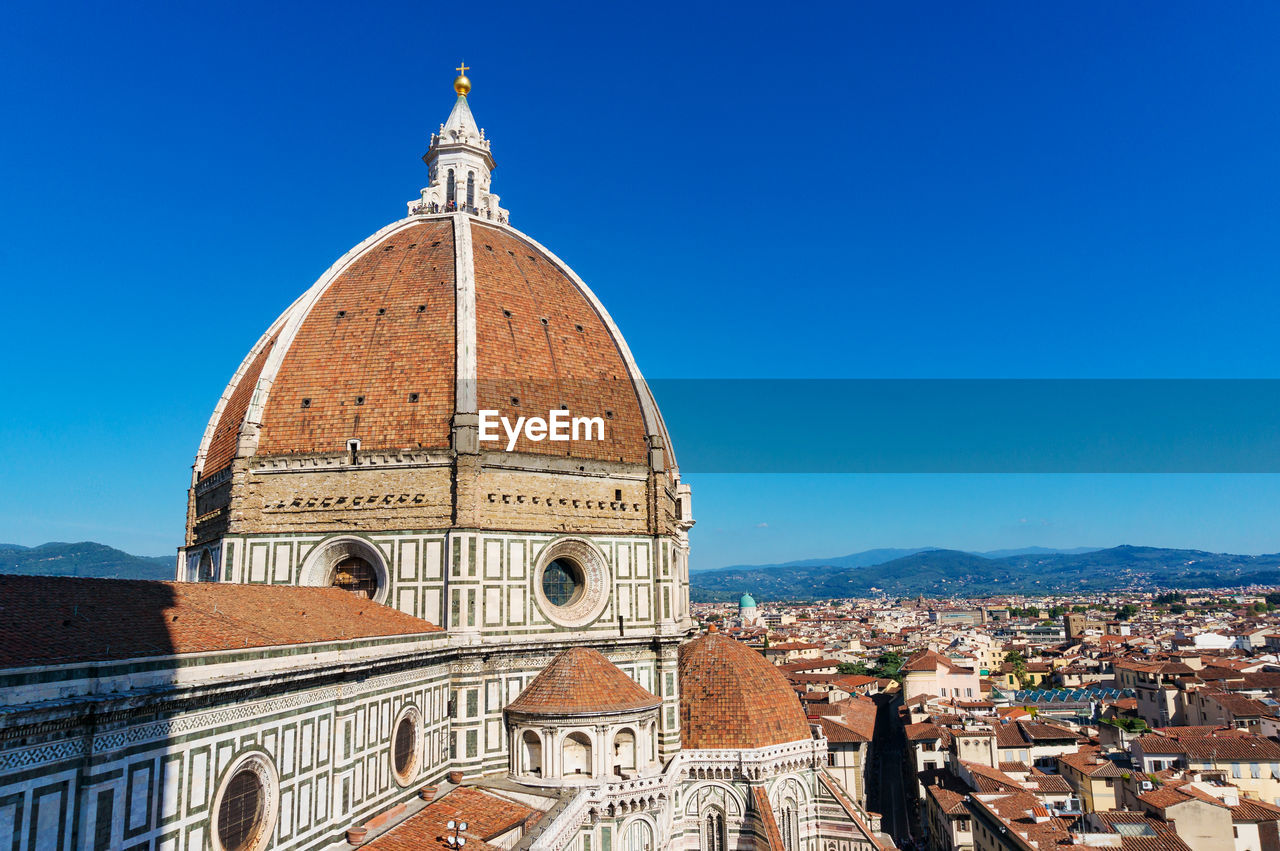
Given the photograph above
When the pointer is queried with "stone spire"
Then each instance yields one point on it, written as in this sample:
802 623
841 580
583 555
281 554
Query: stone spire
459 165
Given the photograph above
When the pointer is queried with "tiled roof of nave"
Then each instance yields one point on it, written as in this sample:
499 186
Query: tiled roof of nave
46 620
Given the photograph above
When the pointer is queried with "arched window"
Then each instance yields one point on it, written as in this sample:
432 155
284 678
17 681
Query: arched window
532 753
638 837
451 188
471 189
624 751
205 571
714 837
576 754
789 826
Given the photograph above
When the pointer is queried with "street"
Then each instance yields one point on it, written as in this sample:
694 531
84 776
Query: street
887 793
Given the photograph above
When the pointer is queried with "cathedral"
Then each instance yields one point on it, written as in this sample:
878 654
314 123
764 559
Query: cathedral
397 625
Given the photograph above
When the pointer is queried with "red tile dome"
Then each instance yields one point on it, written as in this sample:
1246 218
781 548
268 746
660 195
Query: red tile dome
377 350
732 697
581 681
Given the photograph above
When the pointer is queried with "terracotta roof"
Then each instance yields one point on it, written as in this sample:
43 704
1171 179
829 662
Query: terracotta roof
927 733
581 681
1023 814
931 660
731 697
951 803
1048 784
1020 733
840 732
487 817
1238 705
769 824
1248 810
990 780
1231 748
364 336
548 363
1091 764
59 619
371 354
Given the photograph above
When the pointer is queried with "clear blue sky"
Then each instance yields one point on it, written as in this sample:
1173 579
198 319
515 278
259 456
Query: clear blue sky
889 190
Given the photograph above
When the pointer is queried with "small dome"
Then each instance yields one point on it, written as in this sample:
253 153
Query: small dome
732 697
581 681
747 602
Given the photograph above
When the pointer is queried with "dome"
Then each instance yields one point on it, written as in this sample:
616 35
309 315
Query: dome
581 681
732 697
747 602
433 317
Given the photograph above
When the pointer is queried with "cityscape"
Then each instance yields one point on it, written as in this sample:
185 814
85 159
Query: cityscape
1015 722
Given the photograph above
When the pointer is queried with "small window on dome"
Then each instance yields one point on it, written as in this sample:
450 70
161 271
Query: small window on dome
506 313
341 313
413 397
544 321
422 308
515 400
306 403
359 400
382 311
578 328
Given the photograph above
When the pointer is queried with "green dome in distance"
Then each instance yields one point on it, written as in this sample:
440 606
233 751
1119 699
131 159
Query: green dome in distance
746 602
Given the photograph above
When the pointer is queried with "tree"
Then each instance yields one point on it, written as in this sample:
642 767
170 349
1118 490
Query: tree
1178 609
1274 598
859 668
888 666
1018 667
1125 612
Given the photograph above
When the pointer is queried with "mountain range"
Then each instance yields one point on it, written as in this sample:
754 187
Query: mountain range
895 572
83 559
947 573
870 558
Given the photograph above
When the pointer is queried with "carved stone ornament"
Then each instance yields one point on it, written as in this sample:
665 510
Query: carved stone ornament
594 596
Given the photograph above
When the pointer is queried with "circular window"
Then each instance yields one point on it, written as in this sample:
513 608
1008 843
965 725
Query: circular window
357 576
571 582
562 582
404 747
245 809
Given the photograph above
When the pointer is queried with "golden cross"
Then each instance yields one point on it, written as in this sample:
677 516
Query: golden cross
462 69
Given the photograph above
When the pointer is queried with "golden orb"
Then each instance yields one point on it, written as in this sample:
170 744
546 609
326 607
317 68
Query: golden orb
461 84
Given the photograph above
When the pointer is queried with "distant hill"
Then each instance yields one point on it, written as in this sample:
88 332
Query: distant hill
83 559
944 573
870 558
